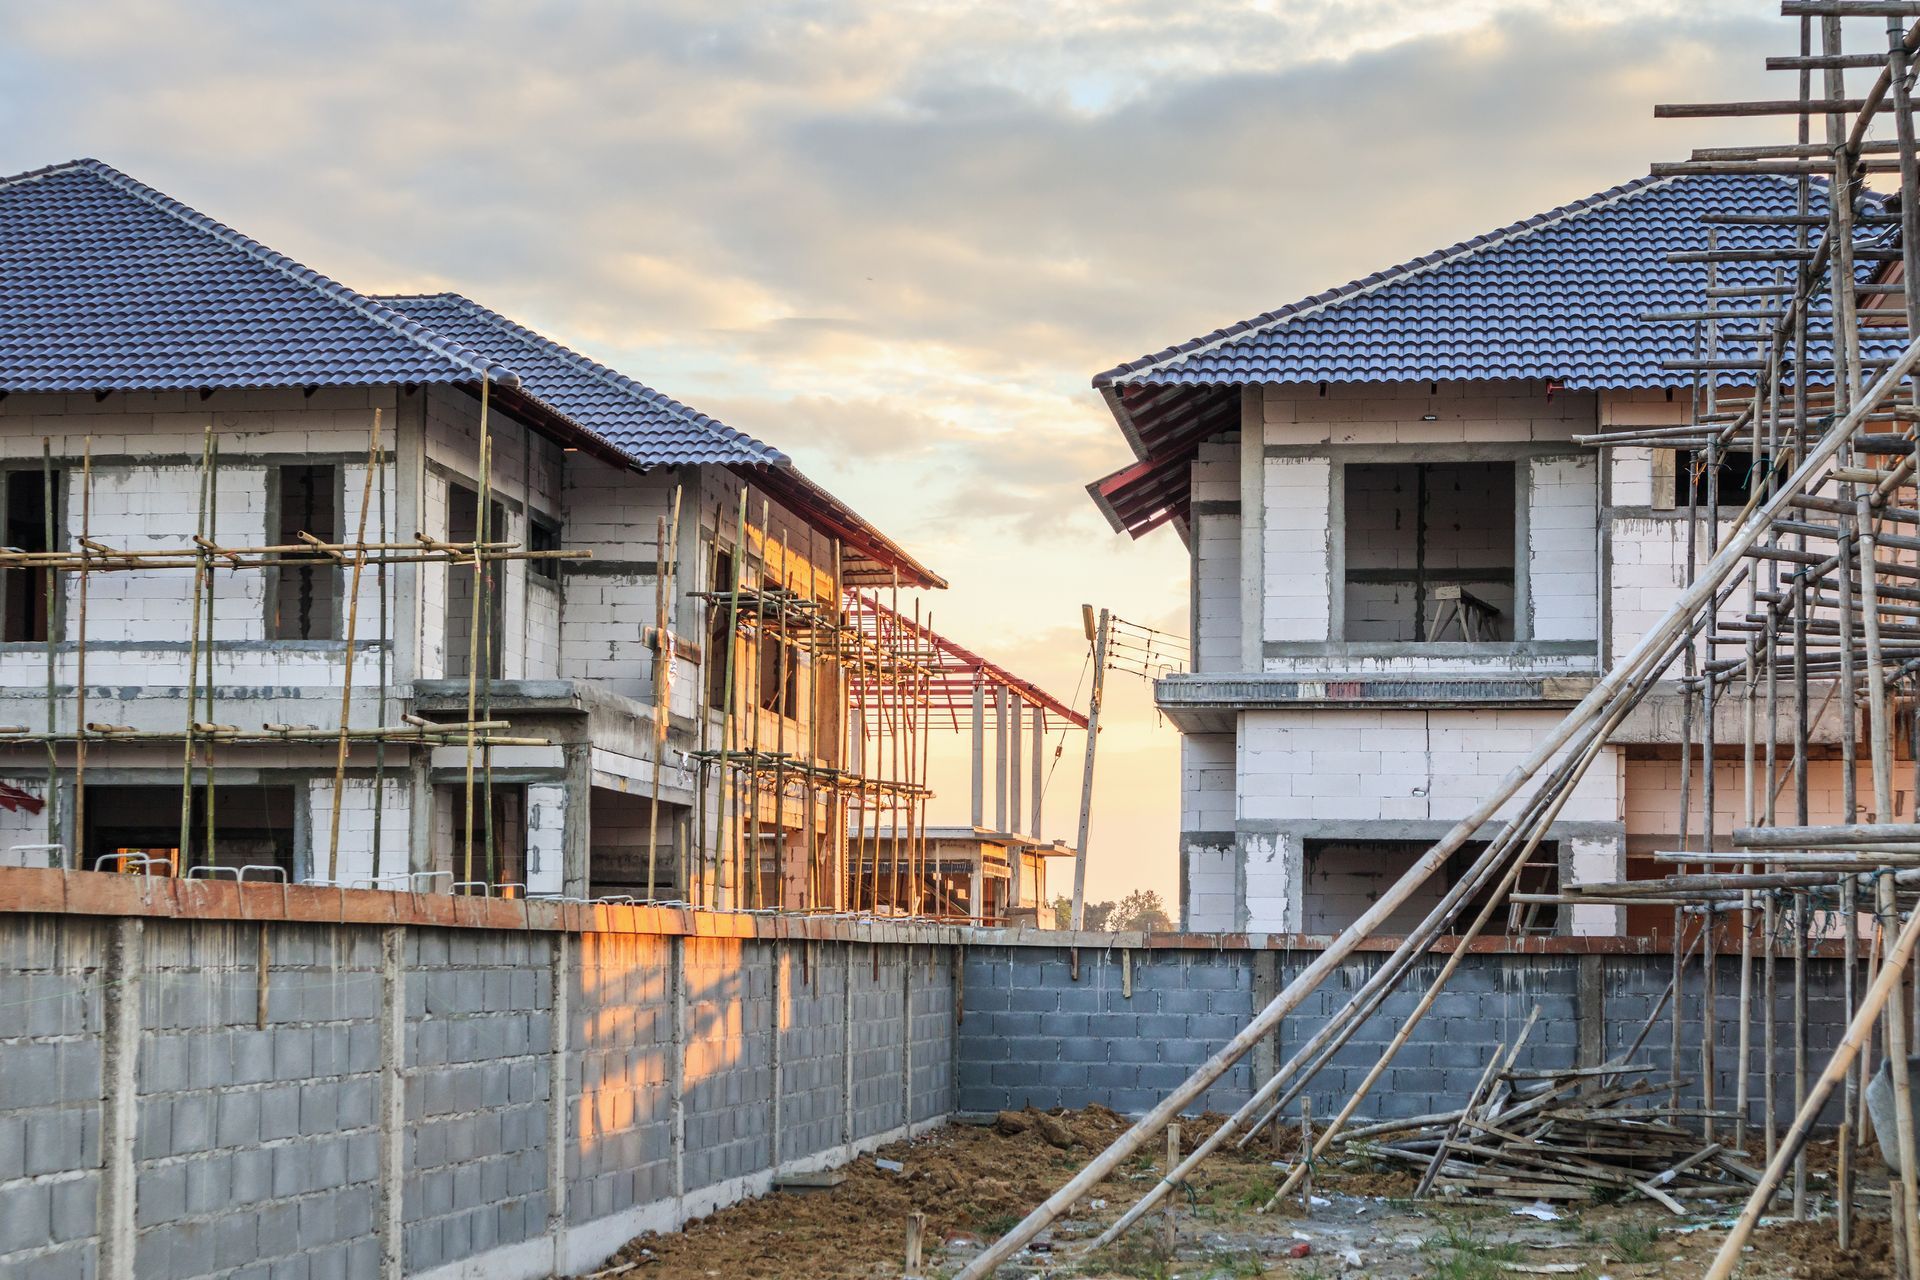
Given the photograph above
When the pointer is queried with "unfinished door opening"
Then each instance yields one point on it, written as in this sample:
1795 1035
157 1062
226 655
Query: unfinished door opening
303 599
1345 877
1430 549
463 525
499 835
252 826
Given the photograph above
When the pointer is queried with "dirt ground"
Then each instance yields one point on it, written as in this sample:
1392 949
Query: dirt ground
973 1183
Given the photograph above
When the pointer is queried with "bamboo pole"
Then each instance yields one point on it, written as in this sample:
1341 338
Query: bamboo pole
666 545
473 634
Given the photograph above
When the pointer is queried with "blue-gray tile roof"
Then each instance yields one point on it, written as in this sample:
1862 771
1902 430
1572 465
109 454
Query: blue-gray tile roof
652 428
108 285
1556 296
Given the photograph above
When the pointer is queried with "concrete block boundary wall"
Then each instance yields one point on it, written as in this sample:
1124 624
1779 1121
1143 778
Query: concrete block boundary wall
242 1090
202 1079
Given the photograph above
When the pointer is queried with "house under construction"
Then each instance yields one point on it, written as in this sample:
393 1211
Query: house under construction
1549 748
311 586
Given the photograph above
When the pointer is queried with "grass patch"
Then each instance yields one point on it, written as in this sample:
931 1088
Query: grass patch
1468 1255
1634 1243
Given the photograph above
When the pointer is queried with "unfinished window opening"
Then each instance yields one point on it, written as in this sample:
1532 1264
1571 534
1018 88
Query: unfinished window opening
463 506
543 535
32 513
1738 475
252 826
508 834
1430 550
304 602
779 676
1345 877
720 584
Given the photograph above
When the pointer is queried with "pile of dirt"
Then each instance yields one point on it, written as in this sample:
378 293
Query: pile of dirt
971 1181
1816 1254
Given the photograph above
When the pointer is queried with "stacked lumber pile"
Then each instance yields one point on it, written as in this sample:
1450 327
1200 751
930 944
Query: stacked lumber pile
1573 1134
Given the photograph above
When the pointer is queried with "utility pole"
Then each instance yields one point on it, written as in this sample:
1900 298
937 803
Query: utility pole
1097 637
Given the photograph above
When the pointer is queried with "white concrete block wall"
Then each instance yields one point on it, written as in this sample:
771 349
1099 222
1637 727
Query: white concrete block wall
546 829
1272 881
1207 782
1216 559
357 803
1591 861
604 636
1648 573
1563 567
1369 413
1295 549
1319 765
18 827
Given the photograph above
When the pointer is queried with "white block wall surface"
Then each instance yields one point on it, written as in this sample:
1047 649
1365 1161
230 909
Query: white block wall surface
1216 559
1648 574
1206 782
1481 412
356 860
1295 549
1592 861
1355 765
1563 561
1213 895
19 828
1272 881
546 831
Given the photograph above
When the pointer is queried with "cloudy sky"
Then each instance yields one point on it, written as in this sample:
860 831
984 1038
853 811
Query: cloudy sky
896 239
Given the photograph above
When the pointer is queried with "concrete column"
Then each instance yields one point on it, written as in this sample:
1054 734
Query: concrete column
782 974
393 1102
419 812
1590 1013
677 1075
979 752
1014 726
846 1053
1000 759
1039 771
575 832
408 476
559 1141
906 1035
121 981
1253 506
1266 985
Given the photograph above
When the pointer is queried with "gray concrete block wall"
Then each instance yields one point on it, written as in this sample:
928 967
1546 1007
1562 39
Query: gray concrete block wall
933 1025
1032 1036
813 1001
479 1028
619 1140
421 1092
257 1143
729 1059
879 1039
50 1089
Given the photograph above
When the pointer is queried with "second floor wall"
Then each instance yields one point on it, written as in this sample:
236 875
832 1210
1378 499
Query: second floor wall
1444 528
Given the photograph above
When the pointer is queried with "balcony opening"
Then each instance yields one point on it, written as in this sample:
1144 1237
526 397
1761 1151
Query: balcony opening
304 603
33 505
463 525
1430 550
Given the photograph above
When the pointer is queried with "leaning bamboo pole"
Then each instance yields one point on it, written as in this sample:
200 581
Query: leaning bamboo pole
346 661
1651 651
